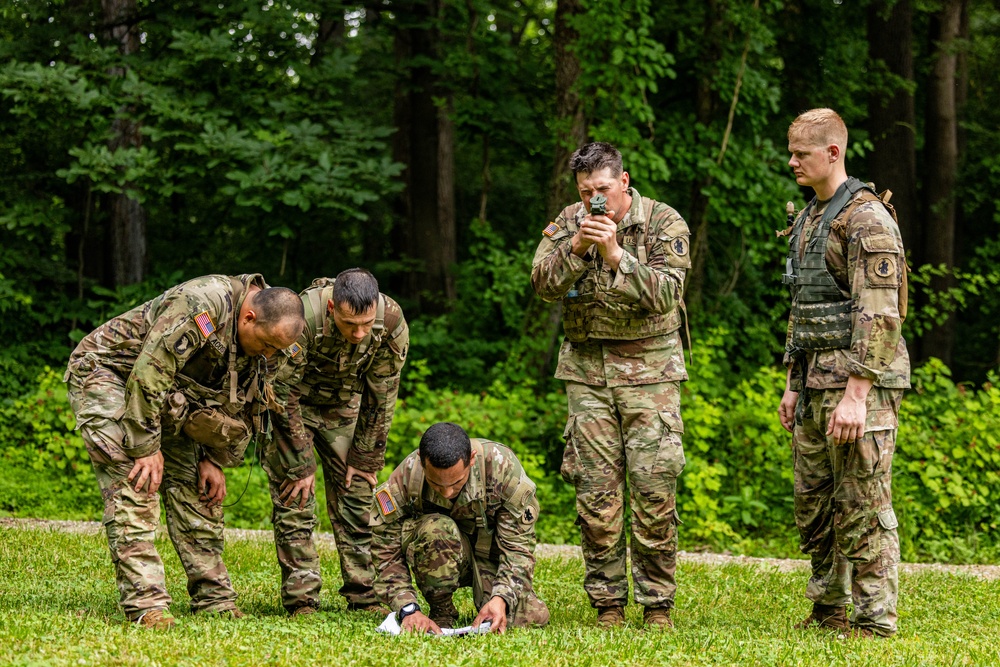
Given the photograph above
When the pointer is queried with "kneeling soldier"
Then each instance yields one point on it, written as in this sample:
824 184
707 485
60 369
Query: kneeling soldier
457 513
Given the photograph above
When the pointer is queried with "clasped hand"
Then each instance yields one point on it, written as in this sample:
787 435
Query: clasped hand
600 231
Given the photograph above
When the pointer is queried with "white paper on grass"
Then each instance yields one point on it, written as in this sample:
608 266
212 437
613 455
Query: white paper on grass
390 626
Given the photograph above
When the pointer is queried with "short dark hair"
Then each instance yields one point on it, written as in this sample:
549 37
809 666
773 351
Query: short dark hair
596 156
357 288
444 444
274 305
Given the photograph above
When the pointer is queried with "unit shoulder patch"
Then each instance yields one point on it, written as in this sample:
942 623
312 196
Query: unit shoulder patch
205 324
679 246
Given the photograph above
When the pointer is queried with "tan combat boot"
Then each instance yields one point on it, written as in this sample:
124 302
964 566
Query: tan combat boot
658 618
368 607
156 619
825 616
610 617
443 611
303 611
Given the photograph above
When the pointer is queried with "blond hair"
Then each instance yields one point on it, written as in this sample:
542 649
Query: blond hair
819 127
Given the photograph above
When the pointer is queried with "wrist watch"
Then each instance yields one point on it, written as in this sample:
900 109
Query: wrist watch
406 610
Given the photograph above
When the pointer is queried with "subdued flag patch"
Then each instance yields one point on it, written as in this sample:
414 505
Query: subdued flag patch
551 229
385 504
205 323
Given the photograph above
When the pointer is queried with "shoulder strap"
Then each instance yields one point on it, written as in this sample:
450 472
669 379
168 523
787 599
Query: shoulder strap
640 242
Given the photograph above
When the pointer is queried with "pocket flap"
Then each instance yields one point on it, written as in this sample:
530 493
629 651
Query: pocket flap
568 431
887 519
673 422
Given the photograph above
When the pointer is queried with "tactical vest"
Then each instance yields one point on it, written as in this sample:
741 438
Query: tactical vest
591 310
821 316
197 397
339 368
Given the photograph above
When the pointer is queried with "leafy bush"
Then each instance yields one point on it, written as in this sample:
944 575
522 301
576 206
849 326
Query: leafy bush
735 494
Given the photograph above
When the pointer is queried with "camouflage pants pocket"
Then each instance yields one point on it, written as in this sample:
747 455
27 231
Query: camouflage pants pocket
570 468
670 454
874 451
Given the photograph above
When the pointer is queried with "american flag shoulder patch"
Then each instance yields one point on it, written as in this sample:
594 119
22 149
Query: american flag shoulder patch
205 323
294 349
551 229
386 505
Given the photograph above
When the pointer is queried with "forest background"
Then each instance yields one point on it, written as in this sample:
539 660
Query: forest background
146 142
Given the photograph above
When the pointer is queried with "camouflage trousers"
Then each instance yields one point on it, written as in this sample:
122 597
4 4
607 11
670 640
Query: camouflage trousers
131 517
843 507
442 560
616 434
349 510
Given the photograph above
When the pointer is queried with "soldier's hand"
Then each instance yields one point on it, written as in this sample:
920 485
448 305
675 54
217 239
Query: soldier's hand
211 483
494 611
786 409
147 472
367 476
847 423
602 232
303 489
418 622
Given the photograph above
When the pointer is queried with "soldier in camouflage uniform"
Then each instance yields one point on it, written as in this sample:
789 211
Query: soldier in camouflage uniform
340 387
847 369
166 394
458 513
620 277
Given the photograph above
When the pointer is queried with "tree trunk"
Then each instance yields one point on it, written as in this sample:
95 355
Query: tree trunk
892 115
705 103
424 142
128 218
942 167
571 132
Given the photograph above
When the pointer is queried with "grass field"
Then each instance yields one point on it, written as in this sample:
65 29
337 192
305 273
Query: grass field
58 607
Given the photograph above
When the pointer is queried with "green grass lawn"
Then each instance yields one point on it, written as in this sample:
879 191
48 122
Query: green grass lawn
58 607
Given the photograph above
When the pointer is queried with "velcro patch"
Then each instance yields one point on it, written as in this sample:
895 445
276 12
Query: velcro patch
386 505
679 246
294 349
205 324
551 229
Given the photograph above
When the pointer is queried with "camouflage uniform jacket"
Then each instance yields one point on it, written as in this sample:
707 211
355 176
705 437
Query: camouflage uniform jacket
328 380
657 285
178 341
496 509
864 254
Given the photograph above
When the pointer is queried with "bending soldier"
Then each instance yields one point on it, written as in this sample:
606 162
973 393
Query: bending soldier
164 395
847 369
457 513
339 387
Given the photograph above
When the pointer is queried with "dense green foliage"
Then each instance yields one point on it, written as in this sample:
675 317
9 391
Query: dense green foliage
736 492
58 607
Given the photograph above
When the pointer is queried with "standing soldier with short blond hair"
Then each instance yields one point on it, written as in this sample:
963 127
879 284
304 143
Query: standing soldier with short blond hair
617 261
847 369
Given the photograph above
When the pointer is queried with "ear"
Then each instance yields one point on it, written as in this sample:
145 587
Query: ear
835 152
472 458
250 315
329 306
625 180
